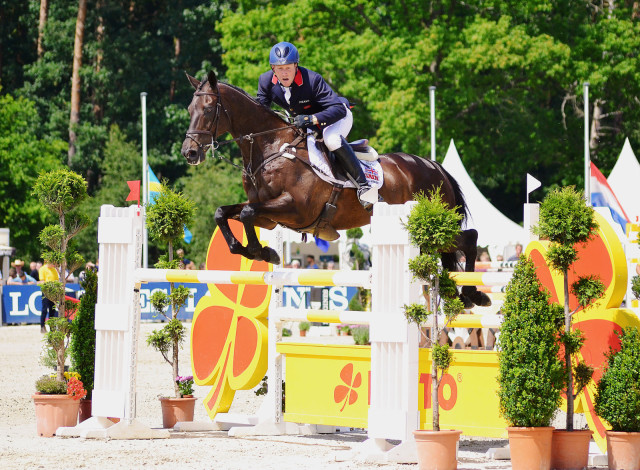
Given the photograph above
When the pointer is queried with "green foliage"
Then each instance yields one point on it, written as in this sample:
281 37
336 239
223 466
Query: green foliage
355 304
587 289
530 374
82 348
442 356
360 335
617 398
162 340
48 385
433 225
60 191
52 290
304 326
169 214
355 233
57 340
635 286
565 218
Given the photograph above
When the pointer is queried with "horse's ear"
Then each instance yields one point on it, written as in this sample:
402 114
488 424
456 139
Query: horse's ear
194 81
213 80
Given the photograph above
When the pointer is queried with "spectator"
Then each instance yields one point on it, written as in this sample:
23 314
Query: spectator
22 278
33 270
184 262
516 257
12 275
47 273
19 265
295 264
331 265
311 262
83 274
484 256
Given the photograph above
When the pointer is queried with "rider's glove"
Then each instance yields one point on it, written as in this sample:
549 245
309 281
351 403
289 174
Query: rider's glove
303 121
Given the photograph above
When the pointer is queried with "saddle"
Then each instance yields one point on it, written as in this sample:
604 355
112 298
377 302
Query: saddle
321 227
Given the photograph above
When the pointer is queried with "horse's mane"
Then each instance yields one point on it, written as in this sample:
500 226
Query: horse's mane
249 97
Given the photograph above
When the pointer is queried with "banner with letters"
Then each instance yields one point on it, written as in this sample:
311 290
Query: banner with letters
23 304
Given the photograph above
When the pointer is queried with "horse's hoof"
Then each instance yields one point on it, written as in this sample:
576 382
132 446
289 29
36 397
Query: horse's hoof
466 301
270 255
480 299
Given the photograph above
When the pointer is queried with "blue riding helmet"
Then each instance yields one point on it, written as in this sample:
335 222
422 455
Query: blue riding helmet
284 53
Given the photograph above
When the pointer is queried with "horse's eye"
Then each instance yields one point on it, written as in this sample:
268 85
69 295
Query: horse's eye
208 109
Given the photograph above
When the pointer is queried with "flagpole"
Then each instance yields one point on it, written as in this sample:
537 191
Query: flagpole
587 163
145 180
432 101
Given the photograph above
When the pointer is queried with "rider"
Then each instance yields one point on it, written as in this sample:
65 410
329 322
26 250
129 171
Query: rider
314 105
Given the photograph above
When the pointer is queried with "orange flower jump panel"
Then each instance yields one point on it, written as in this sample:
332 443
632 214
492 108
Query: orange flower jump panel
229 329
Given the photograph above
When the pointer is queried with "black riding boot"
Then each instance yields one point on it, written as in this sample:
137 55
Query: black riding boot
349 162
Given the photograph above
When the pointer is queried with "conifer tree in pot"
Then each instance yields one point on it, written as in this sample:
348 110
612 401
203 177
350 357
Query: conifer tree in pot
433 227
567 221
530 373
166 220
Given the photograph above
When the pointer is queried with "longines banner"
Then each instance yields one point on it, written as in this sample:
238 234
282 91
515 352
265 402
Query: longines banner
23 304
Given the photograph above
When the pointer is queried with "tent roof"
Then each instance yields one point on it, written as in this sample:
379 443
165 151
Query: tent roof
494 228
624 180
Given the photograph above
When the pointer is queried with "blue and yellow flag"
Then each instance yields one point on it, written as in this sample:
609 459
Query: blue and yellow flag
154 191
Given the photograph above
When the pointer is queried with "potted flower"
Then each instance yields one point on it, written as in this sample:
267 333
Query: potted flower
566 221
304 326
530 372
57 402
82 348
345 330
185 384
433 227
166 219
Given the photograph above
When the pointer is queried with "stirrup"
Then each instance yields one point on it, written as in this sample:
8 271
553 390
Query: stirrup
367 194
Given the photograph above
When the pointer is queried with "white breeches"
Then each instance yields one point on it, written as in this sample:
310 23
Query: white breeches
331 134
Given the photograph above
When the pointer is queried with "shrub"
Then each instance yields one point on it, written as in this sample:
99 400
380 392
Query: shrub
51 385
617 398
83 338
360 335
304 326
530 374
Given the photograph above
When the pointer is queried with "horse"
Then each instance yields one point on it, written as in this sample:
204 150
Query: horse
283 188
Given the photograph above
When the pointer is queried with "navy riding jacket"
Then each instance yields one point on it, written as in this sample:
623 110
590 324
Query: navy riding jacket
310 94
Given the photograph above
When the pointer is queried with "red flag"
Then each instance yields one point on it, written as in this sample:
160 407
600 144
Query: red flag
134 194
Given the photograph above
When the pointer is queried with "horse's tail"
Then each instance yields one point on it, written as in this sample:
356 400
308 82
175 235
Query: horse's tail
461 203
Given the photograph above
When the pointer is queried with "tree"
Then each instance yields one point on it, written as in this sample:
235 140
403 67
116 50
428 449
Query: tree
22 155
566 220
433 227
75 78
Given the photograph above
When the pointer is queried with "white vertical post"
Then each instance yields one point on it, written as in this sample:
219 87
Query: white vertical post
587 159
145 177
393 413
432 102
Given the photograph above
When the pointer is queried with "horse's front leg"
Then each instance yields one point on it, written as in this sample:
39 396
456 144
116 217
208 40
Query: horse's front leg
259 213
222 216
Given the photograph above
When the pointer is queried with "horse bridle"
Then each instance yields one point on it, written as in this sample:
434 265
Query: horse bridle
214 145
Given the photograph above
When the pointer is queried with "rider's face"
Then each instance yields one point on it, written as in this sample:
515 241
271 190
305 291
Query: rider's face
285 73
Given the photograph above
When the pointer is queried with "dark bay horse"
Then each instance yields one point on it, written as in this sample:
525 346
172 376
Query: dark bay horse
282 188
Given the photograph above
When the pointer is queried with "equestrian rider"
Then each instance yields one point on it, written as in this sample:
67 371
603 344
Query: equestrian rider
314 105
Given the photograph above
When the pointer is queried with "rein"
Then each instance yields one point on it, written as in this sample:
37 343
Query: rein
215 145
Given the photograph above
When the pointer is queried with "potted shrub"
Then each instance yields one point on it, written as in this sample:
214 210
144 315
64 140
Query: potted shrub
360 335
617 401
530 372
166 220
433 227
566 221
82 348
57 399
304 326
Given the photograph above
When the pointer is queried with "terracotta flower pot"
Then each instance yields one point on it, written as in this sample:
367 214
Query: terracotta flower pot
437 450
530 447
570 449
54 411
85 410
176 409
303 332
623 450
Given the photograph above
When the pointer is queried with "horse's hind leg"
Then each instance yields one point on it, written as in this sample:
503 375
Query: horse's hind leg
467 243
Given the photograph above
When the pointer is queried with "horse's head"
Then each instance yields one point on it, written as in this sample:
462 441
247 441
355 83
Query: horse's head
205 110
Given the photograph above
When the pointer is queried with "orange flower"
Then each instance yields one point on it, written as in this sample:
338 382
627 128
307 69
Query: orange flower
603 256
229 329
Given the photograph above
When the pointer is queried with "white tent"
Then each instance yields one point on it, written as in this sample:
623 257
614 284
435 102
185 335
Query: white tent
624 180
494 228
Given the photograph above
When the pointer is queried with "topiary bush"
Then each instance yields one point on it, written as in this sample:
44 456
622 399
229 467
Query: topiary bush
617 398
83 334
530 373
49 385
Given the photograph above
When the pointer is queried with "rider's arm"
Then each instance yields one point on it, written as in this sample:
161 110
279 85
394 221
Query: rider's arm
333 106
264 89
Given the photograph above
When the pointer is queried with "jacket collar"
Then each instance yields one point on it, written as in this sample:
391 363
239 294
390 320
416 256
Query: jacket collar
297 79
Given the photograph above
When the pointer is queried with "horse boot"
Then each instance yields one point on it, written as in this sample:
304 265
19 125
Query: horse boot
347 158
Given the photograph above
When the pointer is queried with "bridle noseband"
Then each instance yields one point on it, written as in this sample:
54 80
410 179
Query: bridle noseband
214 143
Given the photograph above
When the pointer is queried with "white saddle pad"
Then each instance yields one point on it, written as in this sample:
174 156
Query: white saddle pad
372 170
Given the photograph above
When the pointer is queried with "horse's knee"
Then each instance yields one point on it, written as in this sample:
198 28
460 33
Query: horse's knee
220 216
247 215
